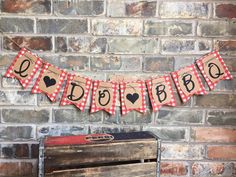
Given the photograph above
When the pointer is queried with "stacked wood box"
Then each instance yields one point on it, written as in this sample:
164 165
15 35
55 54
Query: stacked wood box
135 154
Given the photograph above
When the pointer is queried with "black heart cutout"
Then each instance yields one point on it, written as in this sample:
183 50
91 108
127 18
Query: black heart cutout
48 81
132 97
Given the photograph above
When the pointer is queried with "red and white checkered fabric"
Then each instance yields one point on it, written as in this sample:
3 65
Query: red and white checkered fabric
157 106
176 76
142 87
66 101
94 107
24 82
52 96
226 75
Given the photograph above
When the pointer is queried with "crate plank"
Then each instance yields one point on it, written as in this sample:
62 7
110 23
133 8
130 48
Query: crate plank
65 156
130 170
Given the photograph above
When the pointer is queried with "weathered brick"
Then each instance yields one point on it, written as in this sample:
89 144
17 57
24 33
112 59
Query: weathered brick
216 101
179 117
6 60
226 85
230 63
132 45
25 116
131 9
87 44
158 64
34 43
182 151
178 46
204 46
62 26
121 63
61 130
169 133
213 169
184 10
69 62
174 168
221 152
85 8
216 28
181 61
24 6
17 25
227 47
116 27
223 10
168 28
18 169
17 98
6 151
75 115
216 117
16 133
61 44
143 118
42 100
104 129
209 134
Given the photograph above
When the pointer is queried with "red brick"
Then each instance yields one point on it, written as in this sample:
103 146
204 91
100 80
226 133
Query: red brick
221 152
18 169
21 150
35 43
143 8
23 6
174 168
227 47
213 169
222 135
226 10
34 151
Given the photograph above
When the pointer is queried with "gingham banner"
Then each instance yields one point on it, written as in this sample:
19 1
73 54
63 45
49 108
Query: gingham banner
179 76
133 97
27 63
78 88
104 91
47 84
210 62
156 100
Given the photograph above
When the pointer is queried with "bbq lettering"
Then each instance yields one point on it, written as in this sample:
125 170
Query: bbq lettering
188 83
104 95
160 92
216 74
73 97
24 66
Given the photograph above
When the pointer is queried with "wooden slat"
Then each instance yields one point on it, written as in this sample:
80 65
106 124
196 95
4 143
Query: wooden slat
65 156
130 170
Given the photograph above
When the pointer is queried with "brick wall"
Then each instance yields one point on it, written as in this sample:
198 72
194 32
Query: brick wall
120 39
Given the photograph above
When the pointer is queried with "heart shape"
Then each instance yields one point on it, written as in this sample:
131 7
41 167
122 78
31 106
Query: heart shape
132 97
48 81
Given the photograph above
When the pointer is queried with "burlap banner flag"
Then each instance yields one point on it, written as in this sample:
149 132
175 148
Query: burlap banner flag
188 82
213 69
104 96
76 91
49 81
160 92
24 67
132 97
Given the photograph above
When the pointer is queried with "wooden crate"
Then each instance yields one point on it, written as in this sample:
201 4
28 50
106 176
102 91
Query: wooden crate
135 154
